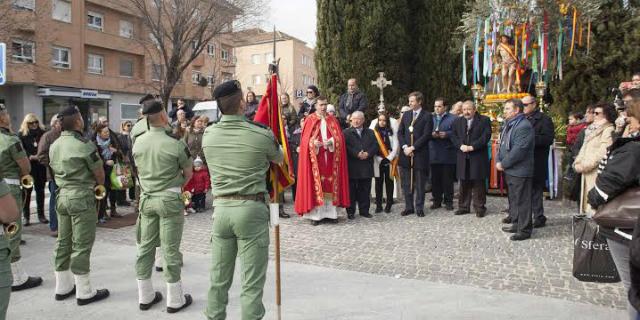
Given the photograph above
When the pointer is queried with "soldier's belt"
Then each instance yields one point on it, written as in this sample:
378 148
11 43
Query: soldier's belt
13 182
259 197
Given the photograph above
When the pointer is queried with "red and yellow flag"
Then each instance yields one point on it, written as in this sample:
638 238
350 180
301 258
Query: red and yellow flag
269 113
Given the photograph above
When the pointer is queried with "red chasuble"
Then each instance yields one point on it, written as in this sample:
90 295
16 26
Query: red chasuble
322 173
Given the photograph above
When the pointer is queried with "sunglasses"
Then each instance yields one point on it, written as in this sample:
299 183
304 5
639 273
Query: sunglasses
33 122
597 113
310 92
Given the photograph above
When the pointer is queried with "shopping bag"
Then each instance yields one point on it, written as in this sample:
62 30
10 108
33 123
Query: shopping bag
592 260
121 177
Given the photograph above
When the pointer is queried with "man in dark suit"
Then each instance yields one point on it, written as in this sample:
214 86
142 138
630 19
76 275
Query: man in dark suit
471 134
414 134
361 148
442 156
544 131
351 101
515 158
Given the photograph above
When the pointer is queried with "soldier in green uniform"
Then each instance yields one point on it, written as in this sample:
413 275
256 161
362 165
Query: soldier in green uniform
238 152
15 164
164 167
8 214
77 169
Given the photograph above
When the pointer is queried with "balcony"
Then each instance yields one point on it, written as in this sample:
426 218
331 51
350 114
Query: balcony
113 42
25 20
20 72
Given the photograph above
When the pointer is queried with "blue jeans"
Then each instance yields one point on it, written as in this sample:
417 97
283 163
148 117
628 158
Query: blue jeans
53 217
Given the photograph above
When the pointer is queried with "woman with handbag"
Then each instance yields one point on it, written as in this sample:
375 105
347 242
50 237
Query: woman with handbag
598 137
31 130
615 195
110 151
125 142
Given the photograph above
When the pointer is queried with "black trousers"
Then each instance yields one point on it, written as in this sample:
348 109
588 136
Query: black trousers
112 195
442 177
360 193
520 203
537 193
476 190
419 183
39 174
198 200
384 180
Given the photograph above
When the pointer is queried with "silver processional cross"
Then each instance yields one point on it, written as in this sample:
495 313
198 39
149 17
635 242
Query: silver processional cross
381 83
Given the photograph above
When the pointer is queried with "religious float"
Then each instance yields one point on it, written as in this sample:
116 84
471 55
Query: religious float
517 48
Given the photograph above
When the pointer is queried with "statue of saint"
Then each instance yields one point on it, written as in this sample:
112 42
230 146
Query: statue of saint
507 63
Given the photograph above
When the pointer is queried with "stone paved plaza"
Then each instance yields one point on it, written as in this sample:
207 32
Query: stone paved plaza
440 248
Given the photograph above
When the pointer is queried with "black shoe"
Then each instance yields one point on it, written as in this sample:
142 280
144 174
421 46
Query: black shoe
284 215
420 213
31 282
481 214
448 207
461 212
540 223
507 220
60 297
124 204
387 209
366 215
510 229
27 223
159 269
435 206
520 236
378 209
42 219
188 300
315 222
351 216
406 212
100 295
156 299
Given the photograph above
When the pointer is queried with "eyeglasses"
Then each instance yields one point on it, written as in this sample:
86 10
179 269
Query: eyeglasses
310 92
33 122
597 113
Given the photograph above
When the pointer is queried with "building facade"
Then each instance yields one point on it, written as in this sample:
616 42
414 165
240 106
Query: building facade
88 53
254 52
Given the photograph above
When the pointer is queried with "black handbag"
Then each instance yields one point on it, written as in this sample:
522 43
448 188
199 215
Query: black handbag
592 261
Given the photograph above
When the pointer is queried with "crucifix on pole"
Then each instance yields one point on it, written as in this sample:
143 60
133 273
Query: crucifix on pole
381 83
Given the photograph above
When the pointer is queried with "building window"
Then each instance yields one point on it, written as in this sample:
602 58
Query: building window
268 58
209 81
195 77
61 10
61 57
25 4
195 44
94 20
126 29
255 59
22 51
126 68
256 79
225 54
157 72
129 111
211 50
307 80
95 63
226 76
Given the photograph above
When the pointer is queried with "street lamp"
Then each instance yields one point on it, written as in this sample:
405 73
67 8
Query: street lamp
478 93
541 89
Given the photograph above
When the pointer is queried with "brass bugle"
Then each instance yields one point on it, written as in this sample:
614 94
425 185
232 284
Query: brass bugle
26 181
100 192
11 229
186 198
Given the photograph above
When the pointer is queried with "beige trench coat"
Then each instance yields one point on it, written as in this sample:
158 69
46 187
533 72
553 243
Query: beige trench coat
593 150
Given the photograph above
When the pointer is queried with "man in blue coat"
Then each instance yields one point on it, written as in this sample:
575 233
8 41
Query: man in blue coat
515 158
442 156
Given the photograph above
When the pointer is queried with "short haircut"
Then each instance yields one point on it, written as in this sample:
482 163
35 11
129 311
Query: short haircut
418 95
323 98
444 102
608 111
230 104
577 115
357 113
517 103
68 123
54 119
633 94
100 127
469 102
633 109
354 80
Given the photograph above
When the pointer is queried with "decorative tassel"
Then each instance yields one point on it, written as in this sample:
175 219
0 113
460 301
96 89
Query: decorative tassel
560 41
476 55
464 64
588 36
573 31
580 31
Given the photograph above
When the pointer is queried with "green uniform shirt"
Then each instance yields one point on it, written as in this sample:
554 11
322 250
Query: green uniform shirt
4 188
238 153
141 127
10 151
73 159
160 159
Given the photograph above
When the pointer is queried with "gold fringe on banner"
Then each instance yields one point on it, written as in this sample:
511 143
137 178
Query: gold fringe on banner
573 31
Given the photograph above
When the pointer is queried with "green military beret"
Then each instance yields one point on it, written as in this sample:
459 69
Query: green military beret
146 98
151 107
227 88
68 111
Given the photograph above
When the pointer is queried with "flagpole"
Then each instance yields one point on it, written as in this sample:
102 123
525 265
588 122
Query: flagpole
275 192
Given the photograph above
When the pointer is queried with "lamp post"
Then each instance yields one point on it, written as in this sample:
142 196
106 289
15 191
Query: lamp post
541 89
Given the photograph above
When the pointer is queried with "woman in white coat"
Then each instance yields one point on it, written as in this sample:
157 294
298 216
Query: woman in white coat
385 165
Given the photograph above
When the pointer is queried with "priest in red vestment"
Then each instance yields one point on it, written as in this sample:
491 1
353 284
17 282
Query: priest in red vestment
322 180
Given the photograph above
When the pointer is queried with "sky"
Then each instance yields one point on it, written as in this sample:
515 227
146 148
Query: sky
294 17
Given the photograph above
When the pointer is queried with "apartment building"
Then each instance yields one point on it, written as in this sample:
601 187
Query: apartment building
87 53
254 52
